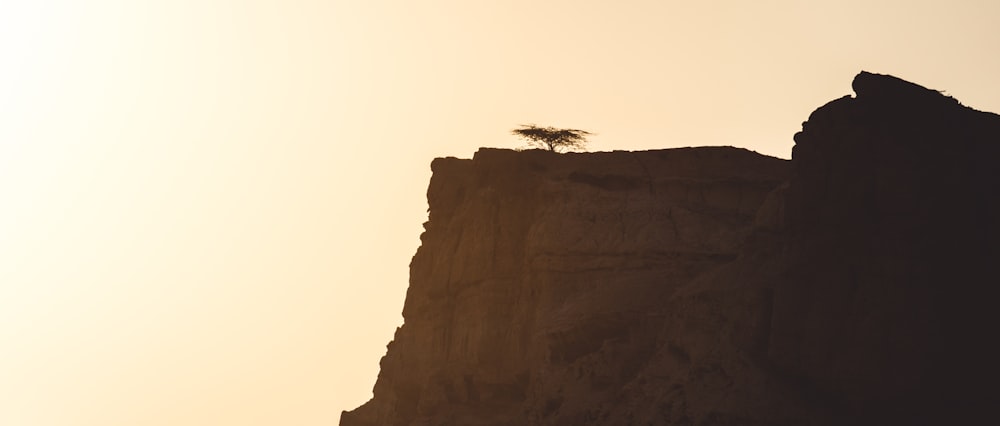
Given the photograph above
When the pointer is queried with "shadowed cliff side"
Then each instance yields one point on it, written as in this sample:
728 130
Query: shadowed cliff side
893 222
712 285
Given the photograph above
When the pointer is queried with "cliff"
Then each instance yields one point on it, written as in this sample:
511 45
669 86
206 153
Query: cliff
711 285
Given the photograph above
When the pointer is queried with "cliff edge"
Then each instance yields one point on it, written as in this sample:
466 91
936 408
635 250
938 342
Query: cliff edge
713 285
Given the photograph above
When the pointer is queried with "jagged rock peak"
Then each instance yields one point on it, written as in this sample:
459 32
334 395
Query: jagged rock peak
887 87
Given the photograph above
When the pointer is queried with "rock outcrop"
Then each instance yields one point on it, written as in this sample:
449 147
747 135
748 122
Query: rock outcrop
714 285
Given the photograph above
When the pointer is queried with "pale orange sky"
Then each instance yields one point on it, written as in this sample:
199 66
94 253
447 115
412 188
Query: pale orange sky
207 208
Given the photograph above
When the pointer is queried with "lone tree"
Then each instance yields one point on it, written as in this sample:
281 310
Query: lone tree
553 139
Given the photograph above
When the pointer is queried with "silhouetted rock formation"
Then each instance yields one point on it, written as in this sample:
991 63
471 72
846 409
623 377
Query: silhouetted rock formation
711 286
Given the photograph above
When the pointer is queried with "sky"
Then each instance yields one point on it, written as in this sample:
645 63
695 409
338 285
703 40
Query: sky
208 207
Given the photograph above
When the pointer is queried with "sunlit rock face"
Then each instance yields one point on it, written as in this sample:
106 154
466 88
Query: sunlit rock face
543 279
711 286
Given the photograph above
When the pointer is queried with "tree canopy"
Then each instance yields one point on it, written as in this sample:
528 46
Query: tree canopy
553 139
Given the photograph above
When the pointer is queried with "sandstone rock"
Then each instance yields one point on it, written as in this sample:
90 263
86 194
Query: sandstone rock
542 279
711 286
894 208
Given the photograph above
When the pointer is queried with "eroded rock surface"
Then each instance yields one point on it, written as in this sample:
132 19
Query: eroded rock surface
711 286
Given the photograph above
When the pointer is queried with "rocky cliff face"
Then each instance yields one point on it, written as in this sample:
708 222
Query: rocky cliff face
710 285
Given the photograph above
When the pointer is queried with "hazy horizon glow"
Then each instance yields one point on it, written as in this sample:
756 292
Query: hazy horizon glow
208 207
